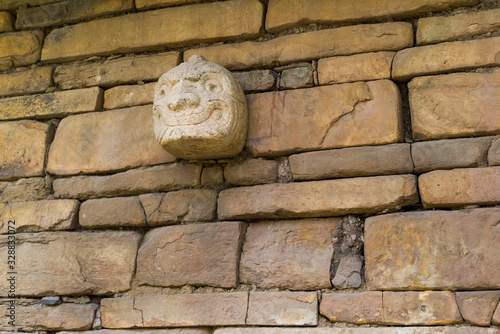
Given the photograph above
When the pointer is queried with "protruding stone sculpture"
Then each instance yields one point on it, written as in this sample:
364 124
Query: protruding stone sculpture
200 111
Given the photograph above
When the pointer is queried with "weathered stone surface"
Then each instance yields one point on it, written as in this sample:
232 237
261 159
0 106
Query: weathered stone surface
35 80
381 330
51 300
310 45
105 142
283 309
14 4
128 96
147 4
283 14
6 22
132 182
181 310
69 12
477 307
112 212
25 190
348 274
495 320
297 77
212 176
180 206
459 187
51 105
20 48
292 255
337 116
66 263
455 105
361 67
439 29
39 216
356 308
433 250
256 80
449 153
352 161
200 111
145 331
319 198
196 254
445 57
115 72
186 25
253 171
494 152
24 144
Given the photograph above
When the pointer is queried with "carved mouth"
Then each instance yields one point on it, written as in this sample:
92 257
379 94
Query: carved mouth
193 116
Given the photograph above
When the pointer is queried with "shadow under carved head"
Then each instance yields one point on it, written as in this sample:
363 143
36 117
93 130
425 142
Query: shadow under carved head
200 111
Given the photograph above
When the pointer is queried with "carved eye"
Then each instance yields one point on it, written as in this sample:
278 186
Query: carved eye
213 86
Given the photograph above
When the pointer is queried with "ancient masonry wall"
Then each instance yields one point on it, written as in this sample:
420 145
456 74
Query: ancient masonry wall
366 200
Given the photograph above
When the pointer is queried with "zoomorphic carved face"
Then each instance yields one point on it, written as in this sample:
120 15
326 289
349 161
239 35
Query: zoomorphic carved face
200 111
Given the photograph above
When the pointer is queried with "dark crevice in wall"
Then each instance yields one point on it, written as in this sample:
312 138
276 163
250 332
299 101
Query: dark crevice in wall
403 89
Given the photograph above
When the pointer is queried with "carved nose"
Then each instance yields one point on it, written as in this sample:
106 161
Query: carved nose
183 101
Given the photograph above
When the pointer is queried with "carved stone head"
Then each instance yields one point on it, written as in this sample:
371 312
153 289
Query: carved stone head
200 111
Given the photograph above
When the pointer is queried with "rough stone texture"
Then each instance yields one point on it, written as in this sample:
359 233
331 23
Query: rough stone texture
253 171
180 206
115 72
197 254
145 331
337 116
361 67
450 153
365 195
147 4
146 31
459 187
297 77
310 45
494 152
355 308
256 80
23 144
51 105
14 4
283 309
212 176
128 96
477 307
6 22
292 255
495 320
20 48
35 80
132 182
455 105
181 310
454 250
69 12
39 216
25 190
283 14
348 273
382 330
200 111
112 212
353 161
66 263
445 57
439 29
105 142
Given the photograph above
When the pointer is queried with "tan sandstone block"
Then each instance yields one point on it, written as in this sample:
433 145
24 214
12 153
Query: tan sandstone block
144 331
147 4
6 22
440 29
455 250
112 212
344 115
149 30
445 57
495 320
459 187
294 255
361 67
253 171
310 45
256 80
127 96
115 72
23 144
455 105
477 307
283 14
357 308
105 142
494 153
363 195
371 330
195 254
25 190
96 263
283 309
30 81
51 105
14 4
38 216
132 182
20 48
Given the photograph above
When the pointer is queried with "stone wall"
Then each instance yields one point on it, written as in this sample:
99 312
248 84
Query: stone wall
367 197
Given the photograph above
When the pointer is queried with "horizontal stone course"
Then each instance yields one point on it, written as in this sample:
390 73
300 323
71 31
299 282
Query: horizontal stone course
30 81
112 212
20 48
144 331
14 4
127 96
24 190
147 4
379 330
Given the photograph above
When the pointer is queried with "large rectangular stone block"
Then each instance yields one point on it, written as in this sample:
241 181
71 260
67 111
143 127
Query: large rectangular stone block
68 263
146 4
20 48
371 330
144 331
444 250
127 96
35 80
14 4
353 114
364 195
112 212
151 30
25 190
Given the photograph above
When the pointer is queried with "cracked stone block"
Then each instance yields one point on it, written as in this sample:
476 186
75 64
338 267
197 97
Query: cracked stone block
112 212
477 307
348 274
298 77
